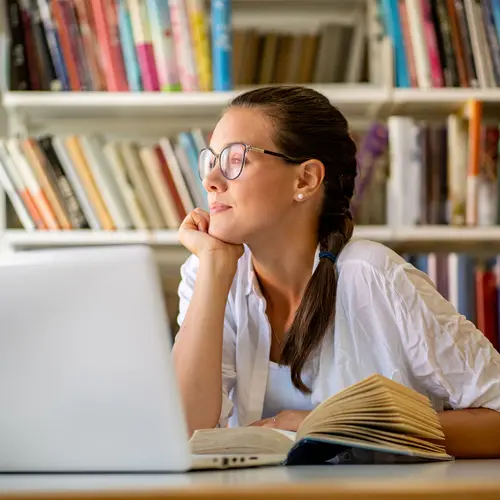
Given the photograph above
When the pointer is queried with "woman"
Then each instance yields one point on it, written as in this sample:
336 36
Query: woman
279 309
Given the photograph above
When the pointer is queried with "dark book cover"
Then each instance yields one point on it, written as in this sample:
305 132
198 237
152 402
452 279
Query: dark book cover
76 216
486 303
441 22
48 77
32 59
18 63
463 27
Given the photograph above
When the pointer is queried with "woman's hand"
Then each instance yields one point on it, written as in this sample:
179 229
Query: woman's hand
193 234
288 420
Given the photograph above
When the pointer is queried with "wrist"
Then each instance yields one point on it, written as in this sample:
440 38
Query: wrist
218 263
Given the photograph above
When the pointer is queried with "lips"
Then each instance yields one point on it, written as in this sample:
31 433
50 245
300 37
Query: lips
218 207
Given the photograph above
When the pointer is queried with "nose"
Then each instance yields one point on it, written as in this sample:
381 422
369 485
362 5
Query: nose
215 181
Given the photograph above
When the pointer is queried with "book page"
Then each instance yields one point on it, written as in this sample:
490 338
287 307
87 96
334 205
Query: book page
241 440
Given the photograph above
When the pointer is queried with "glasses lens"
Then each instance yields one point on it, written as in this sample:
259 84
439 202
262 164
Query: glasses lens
232 159
206 162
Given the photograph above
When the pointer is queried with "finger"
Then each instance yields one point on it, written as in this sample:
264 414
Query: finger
195 222
205 216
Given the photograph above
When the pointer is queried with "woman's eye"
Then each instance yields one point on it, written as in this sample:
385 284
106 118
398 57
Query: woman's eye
236 160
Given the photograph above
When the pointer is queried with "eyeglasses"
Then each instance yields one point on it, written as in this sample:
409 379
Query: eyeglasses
231 159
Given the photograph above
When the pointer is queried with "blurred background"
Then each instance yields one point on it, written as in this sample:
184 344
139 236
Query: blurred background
106 103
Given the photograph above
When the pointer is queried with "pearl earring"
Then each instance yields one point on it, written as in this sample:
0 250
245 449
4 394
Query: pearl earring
300 196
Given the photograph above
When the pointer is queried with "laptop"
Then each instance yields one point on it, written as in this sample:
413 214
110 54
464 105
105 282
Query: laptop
86 376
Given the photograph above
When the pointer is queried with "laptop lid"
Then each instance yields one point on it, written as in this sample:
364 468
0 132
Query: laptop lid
86 379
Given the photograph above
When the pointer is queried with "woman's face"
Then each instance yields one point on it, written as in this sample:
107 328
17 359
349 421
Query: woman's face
261 198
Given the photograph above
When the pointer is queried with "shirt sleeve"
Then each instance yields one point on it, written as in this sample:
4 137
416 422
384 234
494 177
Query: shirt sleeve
185 292
446 352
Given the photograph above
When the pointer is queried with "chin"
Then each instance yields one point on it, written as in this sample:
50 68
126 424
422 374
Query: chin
226 232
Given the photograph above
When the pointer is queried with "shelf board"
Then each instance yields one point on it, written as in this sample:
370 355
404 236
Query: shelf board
427 103
38 108
40 239
111 111
432 235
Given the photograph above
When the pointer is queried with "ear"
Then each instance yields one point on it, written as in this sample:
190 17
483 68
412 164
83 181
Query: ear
309 179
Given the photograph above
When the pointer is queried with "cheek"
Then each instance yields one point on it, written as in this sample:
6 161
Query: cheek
258 204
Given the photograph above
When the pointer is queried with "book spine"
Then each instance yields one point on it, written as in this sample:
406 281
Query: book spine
492 38
463 26
410 55
143 44
456 40
35 71
442 24
50 79
75 214
64 36
182 43
54 44
19 73
106 24
132 68
416 24
88 47
432 47
75 37
222 45
496 16
197 17
163 44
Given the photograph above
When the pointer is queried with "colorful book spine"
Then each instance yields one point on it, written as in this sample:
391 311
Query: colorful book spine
163 45
222 70
432 46
197 18
144 44
128 46
183 47
54 44
106 24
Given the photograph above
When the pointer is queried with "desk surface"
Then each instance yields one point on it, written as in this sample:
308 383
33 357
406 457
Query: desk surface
460 480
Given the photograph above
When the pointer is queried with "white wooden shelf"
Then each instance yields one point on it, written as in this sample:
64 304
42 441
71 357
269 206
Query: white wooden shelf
435 235
442 101
38 108
38 239
109 111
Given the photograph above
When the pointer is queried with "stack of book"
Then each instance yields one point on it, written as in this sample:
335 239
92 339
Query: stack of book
119 45
444 43
79 182
471 284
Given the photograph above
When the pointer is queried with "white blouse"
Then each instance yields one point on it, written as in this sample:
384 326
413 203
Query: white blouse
389 319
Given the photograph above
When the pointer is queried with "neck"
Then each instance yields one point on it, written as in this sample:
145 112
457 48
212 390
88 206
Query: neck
284 269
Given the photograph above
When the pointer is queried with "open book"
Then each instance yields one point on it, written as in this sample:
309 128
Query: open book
374 421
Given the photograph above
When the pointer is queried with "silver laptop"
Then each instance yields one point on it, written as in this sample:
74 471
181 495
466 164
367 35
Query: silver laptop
86 378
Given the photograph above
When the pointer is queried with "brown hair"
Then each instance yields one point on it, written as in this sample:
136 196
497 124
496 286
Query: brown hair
307 126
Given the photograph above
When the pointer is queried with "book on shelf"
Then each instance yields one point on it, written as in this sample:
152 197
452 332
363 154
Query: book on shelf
167 45
429 172
375 420
68 182
441 43
470 283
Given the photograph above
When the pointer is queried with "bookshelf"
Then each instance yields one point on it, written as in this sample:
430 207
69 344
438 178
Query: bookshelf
152 114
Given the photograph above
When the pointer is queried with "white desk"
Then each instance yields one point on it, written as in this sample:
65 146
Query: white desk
460 480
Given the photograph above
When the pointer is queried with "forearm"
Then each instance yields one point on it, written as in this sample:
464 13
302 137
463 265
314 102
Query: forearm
472 433
198 348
